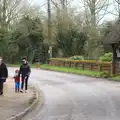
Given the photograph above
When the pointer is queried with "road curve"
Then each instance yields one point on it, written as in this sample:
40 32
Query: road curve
72 97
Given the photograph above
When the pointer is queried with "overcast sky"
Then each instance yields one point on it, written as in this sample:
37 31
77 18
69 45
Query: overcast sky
75 4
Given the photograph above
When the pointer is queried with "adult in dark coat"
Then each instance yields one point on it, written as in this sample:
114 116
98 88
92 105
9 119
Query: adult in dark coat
24 72
3 74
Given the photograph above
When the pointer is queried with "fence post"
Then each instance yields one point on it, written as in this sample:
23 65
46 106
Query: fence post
113 70
91 66
100 67
75 64
83 67
69 64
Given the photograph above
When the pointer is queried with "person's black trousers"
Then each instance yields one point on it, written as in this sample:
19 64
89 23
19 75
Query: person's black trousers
1 86
24 81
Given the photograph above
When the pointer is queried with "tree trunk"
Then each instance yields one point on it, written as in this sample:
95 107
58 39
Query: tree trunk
4 25
93 14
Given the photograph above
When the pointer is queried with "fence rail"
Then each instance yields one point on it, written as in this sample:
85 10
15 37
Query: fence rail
83 64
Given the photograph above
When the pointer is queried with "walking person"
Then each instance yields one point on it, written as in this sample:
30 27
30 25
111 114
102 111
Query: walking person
17 81
24 72
3 74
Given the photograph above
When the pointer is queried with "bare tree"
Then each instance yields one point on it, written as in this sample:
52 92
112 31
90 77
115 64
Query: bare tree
118 1
61 4
11 10
117 8
94 11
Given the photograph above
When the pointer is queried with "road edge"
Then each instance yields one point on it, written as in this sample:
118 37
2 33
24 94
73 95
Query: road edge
36 96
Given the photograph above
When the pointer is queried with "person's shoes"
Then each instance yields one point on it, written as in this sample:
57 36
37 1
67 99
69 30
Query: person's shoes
21 91
1 94
25 91
18 90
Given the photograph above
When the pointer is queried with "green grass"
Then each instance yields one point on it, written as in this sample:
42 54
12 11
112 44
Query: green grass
116 78
12 65
74 71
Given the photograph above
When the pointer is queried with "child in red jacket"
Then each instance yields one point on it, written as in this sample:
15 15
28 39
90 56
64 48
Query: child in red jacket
17 81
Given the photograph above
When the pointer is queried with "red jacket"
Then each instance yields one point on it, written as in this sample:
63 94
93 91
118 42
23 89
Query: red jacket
17 79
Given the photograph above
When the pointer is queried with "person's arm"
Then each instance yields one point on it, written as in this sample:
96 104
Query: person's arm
6 72
20 71
29 70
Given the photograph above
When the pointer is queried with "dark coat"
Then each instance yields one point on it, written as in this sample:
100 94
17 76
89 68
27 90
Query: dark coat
3 71
24 69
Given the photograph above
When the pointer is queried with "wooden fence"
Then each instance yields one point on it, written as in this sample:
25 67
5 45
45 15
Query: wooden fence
83 64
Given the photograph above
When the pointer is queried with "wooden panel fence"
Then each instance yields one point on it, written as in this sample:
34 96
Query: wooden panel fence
83 64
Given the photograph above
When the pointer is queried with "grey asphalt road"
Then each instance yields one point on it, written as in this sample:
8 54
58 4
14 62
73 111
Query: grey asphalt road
72 97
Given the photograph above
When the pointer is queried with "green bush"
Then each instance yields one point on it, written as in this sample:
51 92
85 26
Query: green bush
107 57
103 75
116 78
77 58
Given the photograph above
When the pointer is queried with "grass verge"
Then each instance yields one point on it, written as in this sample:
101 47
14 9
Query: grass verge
116 78
75 71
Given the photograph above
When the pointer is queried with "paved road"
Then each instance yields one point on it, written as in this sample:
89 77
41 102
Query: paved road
72 97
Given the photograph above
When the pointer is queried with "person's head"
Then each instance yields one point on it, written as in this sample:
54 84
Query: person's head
1 59
17 70
24 60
